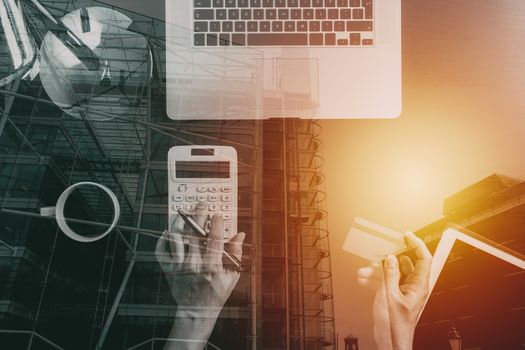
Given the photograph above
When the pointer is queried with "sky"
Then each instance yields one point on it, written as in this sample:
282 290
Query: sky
463 119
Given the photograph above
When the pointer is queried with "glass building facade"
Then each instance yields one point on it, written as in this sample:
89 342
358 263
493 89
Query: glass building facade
57 293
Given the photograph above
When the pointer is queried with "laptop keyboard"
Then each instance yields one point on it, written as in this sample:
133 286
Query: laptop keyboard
283 23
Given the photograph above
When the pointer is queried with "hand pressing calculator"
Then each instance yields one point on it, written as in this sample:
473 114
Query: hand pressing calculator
205 174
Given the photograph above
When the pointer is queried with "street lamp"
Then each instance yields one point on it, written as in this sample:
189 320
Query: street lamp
454 339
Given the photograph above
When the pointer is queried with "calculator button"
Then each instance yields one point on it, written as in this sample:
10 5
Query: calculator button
213 197
214 207
227 216
182 188
213 189
177 197
176 207
226 189
201 189
191 198
226 207
190 207
227 229
202 198
226 197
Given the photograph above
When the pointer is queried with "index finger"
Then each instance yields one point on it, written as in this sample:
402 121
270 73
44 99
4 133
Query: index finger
216 239
424 258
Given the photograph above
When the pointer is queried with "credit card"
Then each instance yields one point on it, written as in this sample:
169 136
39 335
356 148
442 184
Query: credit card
372 241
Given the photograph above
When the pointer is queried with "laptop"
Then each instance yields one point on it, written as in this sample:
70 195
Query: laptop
256 59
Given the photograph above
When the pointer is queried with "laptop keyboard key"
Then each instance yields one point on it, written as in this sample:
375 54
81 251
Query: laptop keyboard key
265 26
218 3
345 14
199 39
258 14
369 11
246 14
200 26
227 26
327 26
302 26
314 26
211 40
224 39
288 39
333 14
203 14
357 14
320 14
233 14
240 26
289 26
277 26
339 26
221 14
316 39
215 27
355 38
359 26
271 14
201 3
283 14
329 39
295 14
239 39
308 14
252 26
231 3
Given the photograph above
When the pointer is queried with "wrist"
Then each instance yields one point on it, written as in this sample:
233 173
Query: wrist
190 331
402 341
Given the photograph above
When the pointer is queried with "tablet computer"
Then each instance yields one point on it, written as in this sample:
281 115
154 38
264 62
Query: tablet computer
478 286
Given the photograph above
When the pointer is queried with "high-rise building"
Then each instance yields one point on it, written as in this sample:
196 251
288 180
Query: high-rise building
480 295
56 293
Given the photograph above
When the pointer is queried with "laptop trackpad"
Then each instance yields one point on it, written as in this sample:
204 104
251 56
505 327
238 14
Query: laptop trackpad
292 85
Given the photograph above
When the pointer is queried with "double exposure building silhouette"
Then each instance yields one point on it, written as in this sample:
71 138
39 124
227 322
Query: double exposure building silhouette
56 293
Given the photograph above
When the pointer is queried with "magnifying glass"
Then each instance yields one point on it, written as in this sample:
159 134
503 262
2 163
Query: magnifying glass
58 212
92 65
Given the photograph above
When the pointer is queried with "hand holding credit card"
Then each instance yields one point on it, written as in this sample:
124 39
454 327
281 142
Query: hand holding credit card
372 241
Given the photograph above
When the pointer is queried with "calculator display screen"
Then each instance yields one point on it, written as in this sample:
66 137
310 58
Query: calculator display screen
202 170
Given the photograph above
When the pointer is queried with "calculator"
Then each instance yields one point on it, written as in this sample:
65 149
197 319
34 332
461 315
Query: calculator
205 174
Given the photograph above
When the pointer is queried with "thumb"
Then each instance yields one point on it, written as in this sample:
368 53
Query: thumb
392 276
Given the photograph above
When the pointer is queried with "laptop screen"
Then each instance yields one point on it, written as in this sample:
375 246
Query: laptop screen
482 295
